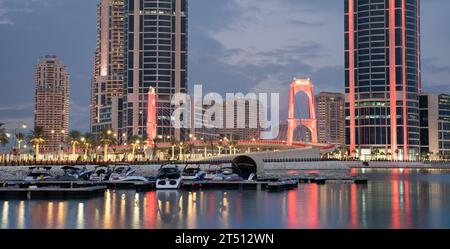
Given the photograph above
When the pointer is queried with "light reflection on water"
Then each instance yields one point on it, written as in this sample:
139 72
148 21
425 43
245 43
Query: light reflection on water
392 199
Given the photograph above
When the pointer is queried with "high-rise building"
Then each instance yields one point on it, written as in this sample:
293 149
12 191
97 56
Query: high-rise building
331 117
382 77
435 125
234 118
107 80
155 56
51 111
242 119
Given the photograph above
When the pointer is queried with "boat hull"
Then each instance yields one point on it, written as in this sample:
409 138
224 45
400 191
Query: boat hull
168 184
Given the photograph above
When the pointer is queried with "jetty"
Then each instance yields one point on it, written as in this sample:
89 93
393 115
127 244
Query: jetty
34 192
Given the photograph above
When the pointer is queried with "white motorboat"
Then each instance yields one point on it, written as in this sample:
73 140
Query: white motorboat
124 173
73 174
193 173
169 177
101 173
223 174
38 174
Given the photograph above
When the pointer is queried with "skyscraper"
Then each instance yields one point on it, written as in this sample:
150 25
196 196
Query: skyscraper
435 125
155 56
107 80
382 76
52 102
331 117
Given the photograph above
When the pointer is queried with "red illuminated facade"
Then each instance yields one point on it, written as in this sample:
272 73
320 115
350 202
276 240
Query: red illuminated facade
382 60
306 86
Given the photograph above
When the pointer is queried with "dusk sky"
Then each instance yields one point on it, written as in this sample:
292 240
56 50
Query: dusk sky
234 46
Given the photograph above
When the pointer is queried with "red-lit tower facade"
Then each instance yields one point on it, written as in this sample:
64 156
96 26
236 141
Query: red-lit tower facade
382 78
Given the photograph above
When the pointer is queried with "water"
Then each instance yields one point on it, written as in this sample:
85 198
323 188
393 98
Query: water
392 199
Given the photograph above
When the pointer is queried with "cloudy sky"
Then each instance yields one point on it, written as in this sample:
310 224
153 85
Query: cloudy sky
235 45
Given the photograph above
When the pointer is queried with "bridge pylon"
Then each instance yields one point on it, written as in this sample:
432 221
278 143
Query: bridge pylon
306 86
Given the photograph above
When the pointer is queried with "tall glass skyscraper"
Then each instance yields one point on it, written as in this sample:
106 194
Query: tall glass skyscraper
155 56
382 77
107 79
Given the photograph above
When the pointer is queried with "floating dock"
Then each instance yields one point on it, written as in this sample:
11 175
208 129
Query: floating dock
333 179
241 185
34 192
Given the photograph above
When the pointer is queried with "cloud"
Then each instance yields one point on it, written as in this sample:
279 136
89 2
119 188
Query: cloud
19 107
274 32
9 8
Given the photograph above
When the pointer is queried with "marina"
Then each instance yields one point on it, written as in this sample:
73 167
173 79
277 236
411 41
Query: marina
391 199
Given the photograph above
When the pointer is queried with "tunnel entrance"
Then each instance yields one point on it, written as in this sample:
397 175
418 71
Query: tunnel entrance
247 165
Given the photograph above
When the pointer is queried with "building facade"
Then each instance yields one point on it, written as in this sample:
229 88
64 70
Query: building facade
382 77
155 51
51 111
331 117
235 119
435 125
107 80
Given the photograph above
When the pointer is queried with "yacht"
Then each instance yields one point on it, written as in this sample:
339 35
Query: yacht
38 174
72 173
169 178
101 173
124 173
193 173
223 174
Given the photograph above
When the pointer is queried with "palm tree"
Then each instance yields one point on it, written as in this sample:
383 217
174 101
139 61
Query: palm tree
106 140
20 137
134 141
88 141
37 138
73 138
4 138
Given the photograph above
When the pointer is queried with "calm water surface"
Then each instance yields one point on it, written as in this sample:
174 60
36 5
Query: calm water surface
392 199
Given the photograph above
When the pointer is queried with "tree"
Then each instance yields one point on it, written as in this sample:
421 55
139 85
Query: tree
73 138
4 138
88 141
106 140
134 141
20 137
37 138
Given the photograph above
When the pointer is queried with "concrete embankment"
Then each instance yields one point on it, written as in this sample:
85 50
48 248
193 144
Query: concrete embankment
320 165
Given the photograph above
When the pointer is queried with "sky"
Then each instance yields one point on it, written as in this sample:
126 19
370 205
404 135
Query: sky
234 46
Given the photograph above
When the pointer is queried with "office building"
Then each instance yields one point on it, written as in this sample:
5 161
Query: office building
107 80
331 117
435 125
382 77
156 41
